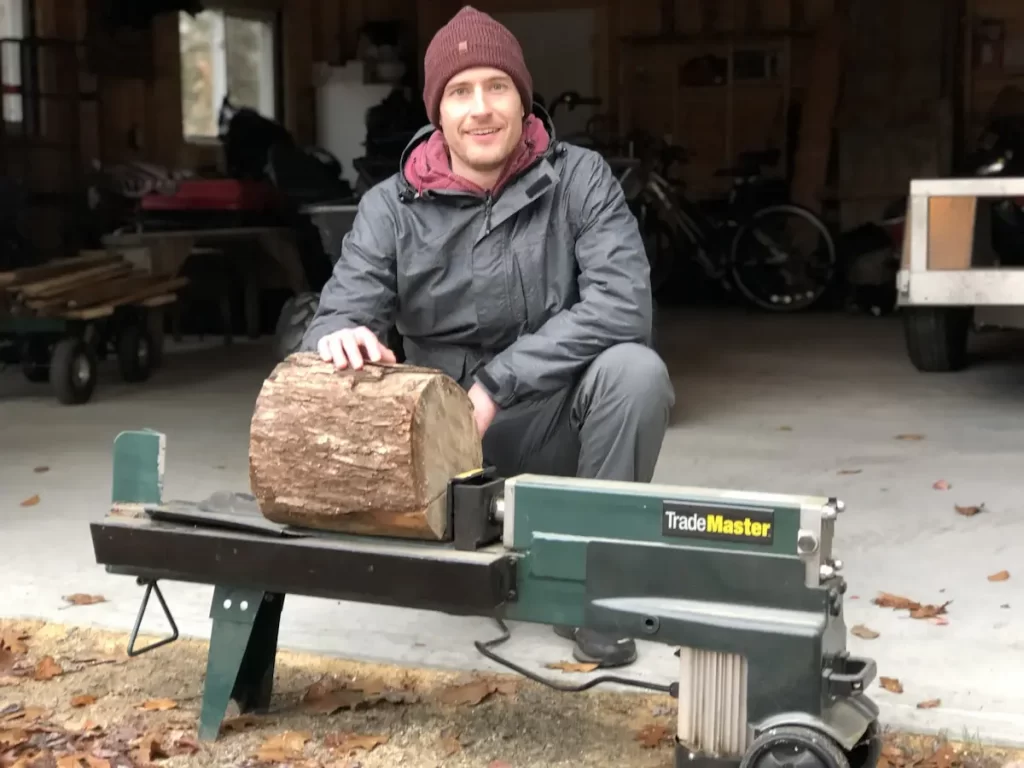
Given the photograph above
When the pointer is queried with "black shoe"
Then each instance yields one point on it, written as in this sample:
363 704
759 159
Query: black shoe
595 648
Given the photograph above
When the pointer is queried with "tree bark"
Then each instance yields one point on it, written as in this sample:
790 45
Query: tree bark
363 452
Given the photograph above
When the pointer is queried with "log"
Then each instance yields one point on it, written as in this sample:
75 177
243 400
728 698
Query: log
365 452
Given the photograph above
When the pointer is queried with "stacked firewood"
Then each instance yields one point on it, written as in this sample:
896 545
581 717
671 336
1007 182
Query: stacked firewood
91 284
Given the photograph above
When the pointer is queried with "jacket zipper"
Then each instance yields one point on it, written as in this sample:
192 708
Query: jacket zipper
487 214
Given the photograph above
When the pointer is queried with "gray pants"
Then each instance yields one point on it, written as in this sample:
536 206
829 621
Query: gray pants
610 425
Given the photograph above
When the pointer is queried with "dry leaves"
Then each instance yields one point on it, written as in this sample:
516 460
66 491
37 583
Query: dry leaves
653 735
571 666
328 695
969 511
158 705
47 669
917 610
891 684
449 745
81 599
83 701
863 632
941 485
31 501
351 743
283 747
1001 576
930 704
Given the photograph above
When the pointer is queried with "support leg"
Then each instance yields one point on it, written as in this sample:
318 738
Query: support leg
243 649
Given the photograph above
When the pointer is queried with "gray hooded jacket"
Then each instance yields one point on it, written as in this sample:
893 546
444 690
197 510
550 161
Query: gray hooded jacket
519 290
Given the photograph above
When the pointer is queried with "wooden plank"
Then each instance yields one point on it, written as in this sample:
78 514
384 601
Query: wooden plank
55 268
84 279
951 232
41 288
132 298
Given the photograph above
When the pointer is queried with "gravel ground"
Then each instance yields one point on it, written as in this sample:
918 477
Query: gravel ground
71 698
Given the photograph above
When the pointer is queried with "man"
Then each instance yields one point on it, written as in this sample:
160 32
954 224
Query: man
512 263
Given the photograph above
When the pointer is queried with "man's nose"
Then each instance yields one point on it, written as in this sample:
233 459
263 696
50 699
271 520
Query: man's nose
479 105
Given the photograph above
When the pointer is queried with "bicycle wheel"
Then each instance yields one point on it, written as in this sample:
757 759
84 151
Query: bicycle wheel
783 259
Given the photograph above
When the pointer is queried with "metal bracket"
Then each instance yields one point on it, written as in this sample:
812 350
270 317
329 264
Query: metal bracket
151 587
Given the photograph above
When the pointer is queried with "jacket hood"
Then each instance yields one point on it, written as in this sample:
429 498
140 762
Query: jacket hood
426 166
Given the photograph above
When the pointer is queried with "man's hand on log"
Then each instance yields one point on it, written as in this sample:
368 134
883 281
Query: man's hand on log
343 348
484 408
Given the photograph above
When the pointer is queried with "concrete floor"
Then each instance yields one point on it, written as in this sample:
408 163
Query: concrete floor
843 388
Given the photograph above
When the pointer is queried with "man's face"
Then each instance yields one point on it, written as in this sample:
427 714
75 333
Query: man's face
481 118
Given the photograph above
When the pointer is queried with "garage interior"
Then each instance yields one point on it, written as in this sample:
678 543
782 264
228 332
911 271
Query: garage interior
112 108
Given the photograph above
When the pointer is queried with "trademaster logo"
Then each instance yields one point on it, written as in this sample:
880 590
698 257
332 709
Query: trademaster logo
749 526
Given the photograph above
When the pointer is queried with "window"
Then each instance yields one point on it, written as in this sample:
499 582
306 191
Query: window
12 29
225 54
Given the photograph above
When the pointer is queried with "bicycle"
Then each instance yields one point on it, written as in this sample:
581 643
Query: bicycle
746 247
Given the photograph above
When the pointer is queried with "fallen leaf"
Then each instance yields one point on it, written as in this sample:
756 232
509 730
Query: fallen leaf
47 669
81 599
150 748
917 610
331 702
929 611
941 485
158 705
83 701
944 757
930 704
507 687
849 471
14 737
969 511
350 743
652 735
467 694
910 437
1001 576
82 760
31 501
182 744
14 642
569 666
863 632
941 621
891 684
499 764
85 726
283 747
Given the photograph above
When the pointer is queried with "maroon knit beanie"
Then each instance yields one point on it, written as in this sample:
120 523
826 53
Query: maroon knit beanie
472 39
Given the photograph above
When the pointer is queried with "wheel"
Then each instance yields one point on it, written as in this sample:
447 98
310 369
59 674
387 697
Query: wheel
936 337
73 371
795 747
766 270
295 317
135 353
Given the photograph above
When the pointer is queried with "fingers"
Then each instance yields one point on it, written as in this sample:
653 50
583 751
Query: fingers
345 348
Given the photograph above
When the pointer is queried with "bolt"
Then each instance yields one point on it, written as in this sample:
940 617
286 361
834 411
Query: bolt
227 603
806 542
244 605
826 572
828 512
837 564
840 505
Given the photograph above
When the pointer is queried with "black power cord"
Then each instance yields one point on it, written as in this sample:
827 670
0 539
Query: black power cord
485 649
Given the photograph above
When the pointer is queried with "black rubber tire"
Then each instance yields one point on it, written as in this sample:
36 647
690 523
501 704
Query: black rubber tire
73 370
794 746
752 296
295 317
135 357
936 337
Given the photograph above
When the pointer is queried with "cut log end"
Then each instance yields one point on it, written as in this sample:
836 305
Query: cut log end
366 452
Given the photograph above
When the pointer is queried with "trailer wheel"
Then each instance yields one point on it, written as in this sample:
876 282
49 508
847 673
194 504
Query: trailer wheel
295 317
73 371
936 337
135 353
